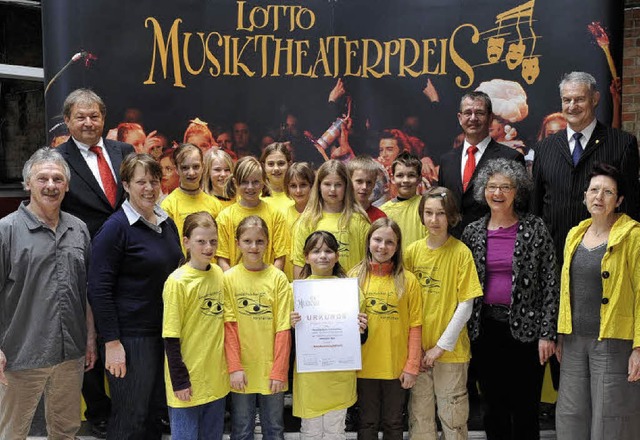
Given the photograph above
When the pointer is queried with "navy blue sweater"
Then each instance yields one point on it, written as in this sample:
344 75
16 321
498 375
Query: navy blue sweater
129 265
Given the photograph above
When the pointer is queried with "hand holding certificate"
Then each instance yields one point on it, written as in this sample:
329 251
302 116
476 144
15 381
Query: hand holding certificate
328 332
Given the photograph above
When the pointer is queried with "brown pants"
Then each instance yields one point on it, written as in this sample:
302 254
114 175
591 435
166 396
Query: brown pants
381 403
61 385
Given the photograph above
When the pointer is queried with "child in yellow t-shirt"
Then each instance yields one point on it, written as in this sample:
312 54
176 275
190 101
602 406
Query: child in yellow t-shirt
248 183
391 354
297 184
332 207
447 273
276 160
188 197
258 357
195 312
406 169
218 167
321 399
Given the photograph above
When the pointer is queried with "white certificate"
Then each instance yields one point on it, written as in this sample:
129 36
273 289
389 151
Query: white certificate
328 334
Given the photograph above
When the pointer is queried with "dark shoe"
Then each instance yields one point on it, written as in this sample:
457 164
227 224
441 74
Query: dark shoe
99 429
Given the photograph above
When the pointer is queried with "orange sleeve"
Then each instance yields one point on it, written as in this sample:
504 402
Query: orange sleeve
412 366
281 350
232 347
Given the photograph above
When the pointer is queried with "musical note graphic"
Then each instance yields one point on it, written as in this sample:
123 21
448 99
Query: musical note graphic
521 48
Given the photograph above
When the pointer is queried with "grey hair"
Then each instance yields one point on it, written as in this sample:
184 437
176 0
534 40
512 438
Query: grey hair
44 155
478 96
581 78
82 96
510 169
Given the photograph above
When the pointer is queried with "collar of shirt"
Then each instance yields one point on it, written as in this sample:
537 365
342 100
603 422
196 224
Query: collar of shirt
133 216
33 222
84 148
482 146
586 135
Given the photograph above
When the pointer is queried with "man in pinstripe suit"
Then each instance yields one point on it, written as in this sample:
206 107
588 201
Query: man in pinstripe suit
564 160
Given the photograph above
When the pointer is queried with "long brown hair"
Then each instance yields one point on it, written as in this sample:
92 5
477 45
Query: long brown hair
315 207
364 267
316 239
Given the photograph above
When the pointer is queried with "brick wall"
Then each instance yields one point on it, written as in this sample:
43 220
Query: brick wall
631 69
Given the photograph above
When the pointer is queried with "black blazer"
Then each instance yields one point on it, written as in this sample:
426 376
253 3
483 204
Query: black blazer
558 191
450 176
85 199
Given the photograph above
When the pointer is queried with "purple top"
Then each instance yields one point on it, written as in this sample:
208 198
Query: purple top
500 245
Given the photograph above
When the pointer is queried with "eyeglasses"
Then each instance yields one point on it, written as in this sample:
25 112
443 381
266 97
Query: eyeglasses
596 191
505 189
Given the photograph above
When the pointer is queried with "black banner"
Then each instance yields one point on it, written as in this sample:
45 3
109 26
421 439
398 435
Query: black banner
271 63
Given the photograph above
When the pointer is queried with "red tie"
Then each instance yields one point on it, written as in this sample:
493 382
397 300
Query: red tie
108 182
469 167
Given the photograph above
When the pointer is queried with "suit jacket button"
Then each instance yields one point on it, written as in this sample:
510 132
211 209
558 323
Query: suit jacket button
605 300
605 274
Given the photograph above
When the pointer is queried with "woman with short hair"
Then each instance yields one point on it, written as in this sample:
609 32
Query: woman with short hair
132 255
513 326
599 322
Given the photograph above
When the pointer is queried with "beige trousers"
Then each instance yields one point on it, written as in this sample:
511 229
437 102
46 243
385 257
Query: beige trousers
61 385
329 426
446 385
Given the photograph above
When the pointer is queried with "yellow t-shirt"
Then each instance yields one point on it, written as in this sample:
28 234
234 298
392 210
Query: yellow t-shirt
225 202
195 310
315 394
351 239
389 320
279 200
228 222
448 277
262 303
179 205
405 214
290 217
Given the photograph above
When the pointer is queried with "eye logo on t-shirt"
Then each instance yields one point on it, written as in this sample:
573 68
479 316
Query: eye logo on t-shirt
432 285
252 306
343 247
210 304
380 307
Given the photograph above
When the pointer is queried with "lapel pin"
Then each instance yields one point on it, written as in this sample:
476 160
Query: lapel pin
597 141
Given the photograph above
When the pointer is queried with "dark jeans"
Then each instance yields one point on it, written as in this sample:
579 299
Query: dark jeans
98 403
381 404
202 422
510 377
138 400
243 416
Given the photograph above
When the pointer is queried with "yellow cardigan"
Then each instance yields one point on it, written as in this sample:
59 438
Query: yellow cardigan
620 274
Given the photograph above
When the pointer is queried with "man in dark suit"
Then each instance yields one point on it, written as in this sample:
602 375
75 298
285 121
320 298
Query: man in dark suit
563 161
458 167
93 196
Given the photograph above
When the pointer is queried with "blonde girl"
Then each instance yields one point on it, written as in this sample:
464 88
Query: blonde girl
447 273
391 354
218 168
332 207
321 399
297 185
247 184
188 197
275 160
195 312
259 362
